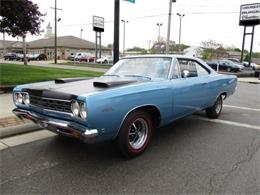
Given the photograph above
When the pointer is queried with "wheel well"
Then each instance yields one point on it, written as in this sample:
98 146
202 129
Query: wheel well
154 112
224 94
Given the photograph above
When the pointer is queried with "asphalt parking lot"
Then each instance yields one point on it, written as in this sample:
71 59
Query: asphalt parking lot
192 155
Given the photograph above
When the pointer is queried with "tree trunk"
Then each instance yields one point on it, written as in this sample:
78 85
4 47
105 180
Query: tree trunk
24 52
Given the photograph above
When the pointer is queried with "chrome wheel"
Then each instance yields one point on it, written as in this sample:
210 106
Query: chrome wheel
218 105
138 133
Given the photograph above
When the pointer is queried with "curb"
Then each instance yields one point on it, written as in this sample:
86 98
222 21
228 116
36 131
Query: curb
6 89
18 129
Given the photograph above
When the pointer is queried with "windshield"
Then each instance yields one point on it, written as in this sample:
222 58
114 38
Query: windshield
149 67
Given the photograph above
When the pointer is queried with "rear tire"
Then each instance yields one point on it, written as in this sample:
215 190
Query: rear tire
135 134
214 111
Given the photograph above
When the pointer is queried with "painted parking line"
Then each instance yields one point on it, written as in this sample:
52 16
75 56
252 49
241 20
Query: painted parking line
243 108
226 122
25 138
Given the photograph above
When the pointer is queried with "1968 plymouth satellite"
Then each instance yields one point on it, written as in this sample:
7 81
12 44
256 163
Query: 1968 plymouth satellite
137 95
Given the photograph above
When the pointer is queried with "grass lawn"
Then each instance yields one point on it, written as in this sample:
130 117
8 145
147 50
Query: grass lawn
92 65
13 74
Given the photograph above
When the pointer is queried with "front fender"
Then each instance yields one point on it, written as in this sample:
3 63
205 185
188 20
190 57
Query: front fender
108 113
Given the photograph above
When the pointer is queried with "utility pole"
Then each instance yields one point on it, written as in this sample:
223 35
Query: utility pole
116 31
159 30
149 45
3 44
55 30
181 16
124 21
169 26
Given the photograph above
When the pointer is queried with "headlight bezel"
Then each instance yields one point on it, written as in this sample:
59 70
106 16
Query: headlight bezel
26 99
75 108
19 98
81 109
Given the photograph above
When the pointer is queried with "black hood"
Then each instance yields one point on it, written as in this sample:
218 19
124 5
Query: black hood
66 88
106 82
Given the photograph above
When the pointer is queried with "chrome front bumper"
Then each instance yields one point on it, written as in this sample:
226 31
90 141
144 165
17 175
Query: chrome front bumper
58 126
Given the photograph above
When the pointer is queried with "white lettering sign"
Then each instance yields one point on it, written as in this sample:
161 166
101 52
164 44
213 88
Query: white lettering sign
250 12
98 22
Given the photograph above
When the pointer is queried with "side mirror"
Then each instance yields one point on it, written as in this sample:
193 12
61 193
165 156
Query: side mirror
186 73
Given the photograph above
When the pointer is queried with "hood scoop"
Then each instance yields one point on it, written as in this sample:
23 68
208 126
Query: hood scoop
69 80
112 82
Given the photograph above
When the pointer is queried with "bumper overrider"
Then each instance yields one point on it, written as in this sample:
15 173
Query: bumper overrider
58 126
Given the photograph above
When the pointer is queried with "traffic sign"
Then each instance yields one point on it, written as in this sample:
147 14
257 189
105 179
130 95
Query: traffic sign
131 1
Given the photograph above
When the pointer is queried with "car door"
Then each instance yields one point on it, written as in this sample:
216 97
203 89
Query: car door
190 93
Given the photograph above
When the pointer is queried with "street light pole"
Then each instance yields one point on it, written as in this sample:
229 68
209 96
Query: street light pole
81 33
159 29
124 21
55 32
181 16
169 26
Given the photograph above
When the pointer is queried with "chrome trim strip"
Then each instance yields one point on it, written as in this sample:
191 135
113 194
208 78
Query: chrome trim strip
55 111
130 112
57 125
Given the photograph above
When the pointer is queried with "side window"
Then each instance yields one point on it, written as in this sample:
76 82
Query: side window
201 71
194 68
187 65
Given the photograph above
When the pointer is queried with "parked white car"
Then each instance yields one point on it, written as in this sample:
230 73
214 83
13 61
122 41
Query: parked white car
105 60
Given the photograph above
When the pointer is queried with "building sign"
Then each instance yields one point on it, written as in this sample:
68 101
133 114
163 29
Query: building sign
249 14
98 23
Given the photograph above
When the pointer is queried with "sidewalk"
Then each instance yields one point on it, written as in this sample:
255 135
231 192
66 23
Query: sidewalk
9 123
49 64
253 80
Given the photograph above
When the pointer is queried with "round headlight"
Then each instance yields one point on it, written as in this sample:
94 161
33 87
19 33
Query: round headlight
75 108
26 99
83 111
18 98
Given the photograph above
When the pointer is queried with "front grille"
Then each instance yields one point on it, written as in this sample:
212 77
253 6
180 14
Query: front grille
51 104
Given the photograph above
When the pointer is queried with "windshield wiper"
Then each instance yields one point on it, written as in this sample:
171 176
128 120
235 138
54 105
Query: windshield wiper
113 75
134 75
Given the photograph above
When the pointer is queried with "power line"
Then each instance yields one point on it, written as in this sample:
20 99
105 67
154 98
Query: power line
152 16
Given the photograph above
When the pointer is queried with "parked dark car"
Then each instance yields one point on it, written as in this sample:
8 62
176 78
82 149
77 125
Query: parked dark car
41 56
225 65
20 57
10 56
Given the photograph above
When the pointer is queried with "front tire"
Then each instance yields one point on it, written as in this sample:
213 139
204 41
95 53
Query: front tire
135 134
214 111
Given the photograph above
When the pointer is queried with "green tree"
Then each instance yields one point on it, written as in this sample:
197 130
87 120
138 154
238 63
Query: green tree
19 17
137 49
212 49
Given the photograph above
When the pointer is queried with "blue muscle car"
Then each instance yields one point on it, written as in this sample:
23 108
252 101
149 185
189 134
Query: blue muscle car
137 95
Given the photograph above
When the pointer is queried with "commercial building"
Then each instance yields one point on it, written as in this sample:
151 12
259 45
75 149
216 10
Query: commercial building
65 46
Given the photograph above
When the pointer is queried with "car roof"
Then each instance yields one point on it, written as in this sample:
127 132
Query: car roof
160 56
